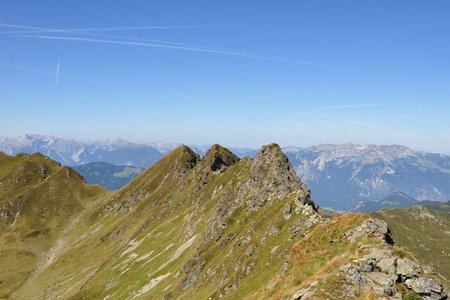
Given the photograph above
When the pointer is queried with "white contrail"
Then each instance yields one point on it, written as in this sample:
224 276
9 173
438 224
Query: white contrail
35 29
57 71
173 46
140 42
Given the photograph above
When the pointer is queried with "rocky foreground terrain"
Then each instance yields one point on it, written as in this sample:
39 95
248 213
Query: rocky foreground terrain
192 227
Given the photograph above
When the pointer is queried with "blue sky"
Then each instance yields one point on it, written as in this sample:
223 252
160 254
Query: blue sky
240 73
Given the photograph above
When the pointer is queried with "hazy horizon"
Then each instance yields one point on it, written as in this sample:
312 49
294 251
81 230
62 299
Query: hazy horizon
203 144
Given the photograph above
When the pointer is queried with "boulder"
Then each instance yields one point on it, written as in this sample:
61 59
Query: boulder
352 274
368 227
388 266
407 268
380 259
428 288
381 283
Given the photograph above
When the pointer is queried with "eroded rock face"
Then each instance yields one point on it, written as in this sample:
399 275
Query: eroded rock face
272 178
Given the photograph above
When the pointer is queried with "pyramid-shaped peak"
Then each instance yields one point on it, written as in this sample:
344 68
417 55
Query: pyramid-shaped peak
182 150
183 154
271 152
272 149
271 163
218 158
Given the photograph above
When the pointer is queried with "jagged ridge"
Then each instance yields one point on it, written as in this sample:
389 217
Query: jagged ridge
198 228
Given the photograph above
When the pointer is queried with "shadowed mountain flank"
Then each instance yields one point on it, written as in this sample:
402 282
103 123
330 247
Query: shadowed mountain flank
219 158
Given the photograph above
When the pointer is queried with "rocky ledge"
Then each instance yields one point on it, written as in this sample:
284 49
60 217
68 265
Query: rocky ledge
382 271
388 274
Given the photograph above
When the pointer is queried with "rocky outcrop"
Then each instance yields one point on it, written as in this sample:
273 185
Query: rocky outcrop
370 227
272 177
428 288
381 270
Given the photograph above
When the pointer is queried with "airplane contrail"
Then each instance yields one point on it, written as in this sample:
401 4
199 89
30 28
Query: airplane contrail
173 46
35 29
140 42
113 39
57 71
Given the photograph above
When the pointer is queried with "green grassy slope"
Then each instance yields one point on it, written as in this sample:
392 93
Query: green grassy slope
217 227
38 200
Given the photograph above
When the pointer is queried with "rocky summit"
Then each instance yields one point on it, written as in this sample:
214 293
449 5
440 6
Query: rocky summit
192 227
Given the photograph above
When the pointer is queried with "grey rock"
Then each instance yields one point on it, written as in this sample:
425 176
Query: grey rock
312 220
388 266
297 228
428 270
287 210
381 259
368 227
407 268
349 291
368 265
352 274
381 283
378 254
428 288
272 178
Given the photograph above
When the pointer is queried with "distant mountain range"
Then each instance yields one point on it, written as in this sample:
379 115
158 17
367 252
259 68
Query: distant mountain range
71 152
393 200
400 200
339 176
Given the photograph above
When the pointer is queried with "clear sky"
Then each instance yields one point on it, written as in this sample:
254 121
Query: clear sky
240 73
